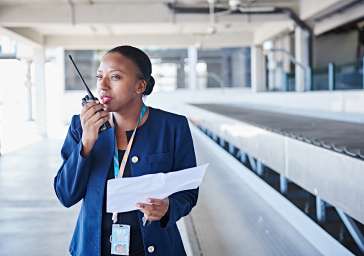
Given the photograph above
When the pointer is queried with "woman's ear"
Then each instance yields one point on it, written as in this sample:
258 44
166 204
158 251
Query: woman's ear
141 86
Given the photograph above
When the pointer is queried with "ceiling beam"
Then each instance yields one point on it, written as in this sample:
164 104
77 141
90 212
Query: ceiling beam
163 41
339 18
24 35
27 15
271 30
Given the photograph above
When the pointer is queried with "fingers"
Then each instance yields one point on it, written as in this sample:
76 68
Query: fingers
97 116
92 118
88 105
155 201
147 208
91 109
94 122
150 212
102 120
93 113
155 209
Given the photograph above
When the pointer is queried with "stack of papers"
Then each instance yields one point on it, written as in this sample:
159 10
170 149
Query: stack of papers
124 193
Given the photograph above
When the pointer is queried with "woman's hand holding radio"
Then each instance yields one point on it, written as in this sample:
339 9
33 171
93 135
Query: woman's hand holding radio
92 118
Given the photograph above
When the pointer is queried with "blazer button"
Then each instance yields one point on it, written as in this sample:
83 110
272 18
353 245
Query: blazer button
134 159
151 249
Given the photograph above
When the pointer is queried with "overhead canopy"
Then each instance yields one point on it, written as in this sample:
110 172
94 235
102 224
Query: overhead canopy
81 24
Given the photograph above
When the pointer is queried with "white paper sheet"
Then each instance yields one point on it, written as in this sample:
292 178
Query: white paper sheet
123 194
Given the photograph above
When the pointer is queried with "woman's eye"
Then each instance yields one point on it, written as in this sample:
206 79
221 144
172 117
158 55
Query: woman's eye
98 76
115 77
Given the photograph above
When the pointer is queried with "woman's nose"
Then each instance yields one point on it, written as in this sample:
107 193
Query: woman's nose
102 83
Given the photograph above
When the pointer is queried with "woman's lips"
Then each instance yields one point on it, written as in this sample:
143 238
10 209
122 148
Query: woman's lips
105 99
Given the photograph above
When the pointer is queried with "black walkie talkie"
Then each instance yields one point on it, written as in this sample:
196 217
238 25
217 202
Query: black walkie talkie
89 97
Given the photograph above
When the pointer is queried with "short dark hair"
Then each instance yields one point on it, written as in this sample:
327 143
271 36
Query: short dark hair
141 60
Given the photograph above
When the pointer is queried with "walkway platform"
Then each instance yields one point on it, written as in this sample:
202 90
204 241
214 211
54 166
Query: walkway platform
233 216
339 136
315 153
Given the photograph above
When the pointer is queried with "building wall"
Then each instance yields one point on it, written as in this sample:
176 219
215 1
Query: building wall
340 48
221 67
240 63
309 8
279 64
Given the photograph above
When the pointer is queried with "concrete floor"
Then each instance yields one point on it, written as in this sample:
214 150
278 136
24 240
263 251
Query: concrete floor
229 219
32 221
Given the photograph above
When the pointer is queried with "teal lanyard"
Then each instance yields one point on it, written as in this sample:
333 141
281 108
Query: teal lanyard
119 170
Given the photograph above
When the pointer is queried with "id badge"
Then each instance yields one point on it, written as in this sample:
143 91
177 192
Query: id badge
120 239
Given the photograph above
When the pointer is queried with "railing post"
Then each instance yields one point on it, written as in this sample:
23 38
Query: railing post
309 79
320 209
362 72
242 156
283 184
252 163
260 168
331 76
354 230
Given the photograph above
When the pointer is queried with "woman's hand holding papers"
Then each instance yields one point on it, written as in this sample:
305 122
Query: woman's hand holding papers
155 209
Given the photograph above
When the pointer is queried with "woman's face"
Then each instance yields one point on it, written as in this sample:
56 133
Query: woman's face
118 82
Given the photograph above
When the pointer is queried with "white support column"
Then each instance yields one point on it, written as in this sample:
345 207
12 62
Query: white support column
40 89
61 85
28 90
258 69
271 66
192 67
286 45
55 79
301 56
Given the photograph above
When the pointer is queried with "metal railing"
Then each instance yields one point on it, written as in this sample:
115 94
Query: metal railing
322 216
349 76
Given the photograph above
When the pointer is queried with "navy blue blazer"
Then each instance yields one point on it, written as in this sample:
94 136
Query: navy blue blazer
162 144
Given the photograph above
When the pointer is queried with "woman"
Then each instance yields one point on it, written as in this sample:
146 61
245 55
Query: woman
162 143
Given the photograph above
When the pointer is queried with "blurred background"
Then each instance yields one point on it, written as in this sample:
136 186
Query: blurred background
273 90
